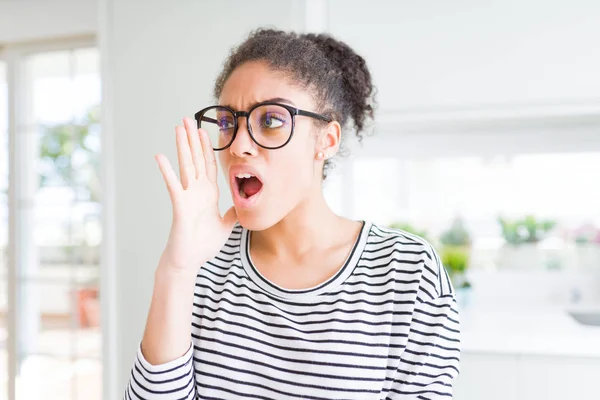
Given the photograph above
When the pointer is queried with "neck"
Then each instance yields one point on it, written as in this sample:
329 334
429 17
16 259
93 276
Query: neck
311 225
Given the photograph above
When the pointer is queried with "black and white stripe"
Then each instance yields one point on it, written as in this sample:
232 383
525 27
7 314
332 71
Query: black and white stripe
385 326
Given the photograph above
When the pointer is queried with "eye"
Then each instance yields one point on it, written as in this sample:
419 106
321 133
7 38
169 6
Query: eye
272 120
225 123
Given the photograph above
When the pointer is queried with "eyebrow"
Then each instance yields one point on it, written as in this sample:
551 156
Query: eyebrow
274 99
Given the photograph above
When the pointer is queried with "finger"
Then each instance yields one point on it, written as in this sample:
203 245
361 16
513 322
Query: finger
210 160
170 177
195 146
187 170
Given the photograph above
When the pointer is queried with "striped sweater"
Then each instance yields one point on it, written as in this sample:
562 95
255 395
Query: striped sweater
385 326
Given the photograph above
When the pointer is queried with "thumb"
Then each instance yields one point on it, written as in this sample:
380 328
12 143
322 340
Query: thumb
230 218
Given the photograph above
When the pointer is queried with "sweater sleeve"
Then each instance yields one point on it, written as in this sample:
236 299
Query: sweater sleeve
169 381
430 361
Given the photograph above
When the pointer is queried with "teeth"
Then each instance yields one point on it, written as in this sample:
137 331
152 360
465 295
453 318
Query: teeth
244 175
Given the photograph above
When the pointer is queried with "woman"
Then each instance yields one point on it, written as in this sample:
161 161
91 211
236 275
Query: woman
280 297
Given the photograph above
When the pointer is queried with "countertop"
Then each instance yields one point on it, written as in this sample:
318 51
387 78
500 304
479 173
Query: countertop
522 330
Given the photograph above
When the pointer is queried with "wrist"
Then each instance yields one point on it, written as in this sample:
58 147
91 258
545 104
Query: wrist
169 273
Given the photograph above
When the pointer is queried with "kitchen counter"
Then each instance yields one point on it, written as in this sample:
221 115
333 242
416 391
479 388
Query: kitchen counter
528 331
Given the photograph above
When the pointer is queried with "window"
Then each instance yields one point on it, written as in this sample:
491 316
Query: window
57 211
429 194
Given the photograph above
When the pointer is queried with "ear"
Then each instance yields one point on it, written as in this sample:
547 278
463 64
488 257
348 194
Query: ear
328 142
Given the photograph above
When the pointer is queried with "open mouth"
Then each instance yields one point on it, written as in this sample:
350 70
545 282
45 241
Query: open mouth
248 185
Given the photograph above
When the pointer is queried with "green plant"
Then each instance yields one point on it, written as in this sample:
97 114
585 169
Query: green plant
456 235
525 230
456 261
406 227
465 284
70 154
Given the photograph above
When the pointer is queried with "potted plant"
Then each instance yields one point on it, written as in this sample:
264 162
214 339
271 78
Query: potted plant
86 302
88 305
522 236
587 247
456 256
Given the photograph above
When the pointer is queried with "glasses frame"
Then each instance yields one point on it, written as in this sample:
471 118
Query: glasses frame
199 116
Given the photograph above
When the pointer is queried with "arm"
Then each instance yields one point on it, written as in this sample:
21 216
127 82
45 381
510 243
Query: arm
168 326
430 361
172 380
163 368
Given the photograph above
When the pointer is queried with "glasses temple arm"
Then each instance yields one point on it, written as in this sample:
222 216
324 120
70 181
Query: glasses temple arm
313 115
206 119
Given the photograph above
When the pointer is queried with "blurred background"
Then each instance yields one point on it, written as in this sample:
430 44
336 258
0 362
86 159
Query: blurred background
486 142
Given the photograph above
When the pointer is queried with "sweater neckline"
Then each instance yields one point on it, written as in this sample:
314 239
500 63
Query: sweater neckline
338 278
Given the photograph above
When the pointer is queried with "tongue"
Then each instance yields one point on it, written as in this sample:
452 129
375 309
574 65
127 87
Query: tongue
251 186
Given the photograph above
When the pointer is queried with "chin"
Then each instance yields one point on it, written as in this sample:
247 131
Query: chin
256 220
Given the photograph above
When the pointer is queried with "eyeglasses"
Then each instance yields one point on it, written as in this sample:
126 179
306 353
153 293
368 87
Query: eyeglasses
270 124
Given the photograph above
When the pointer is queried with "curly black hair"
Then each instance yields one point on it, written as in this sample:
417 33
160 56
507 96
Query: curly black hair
337 76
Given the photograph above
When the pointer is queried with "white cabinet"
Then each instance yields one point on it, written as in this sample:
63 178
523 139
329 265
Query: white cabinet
557 378
514 377
487 376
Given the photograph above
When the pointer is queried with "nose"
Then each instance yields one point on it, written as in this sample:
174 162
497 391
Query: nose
243 145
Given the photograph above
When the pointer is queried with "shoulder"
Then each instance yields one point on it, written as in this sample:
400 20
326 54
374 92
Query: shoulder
410 256
233 244
229 254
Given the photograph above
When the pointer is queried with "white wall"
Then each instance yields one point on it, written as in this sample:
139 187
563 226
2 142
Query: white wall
22 21
160 60
438 55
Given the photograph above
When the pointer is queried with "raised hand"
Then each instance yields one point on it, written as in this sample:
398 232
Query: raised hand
198 231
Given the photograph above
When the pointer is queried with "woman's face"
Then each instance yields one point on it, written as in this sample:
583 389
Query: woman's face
282 178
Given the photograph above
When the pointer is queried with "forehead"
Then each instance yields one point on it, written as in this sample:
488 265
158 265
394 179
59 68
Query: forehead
254 82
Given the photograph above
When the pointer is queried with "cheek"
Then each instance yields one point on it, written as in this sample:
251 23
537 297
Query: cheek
223 159
294 170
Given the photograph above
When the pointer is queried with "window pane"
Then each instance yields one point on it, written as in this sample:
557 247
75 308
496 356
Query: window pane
333 190
59 341
88 379
379 201
44 376
54 378
65 84
529 191
59 145
87 86
47 313
67 241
